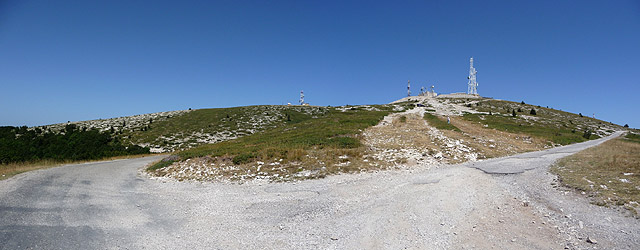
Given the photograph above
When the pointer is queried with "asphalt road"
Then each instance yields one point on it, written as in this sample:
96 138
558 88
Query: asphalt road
85 206
517 164
111 205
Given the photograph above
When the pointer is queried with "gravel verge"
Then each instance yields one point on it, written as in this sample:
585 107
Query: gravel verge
114 205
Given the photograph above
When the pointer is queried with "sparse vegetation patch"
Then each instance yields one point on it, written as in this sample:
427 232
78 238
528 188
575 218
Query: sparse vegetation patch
205 126
608 173
307 147
439 123
557 127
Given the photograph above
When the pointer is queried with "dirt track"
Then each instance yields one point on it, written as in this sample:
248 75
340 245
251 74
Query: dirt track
112 205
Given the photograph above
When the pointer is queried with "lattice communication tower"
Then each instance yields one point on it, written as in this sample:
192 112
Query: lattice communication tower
473 84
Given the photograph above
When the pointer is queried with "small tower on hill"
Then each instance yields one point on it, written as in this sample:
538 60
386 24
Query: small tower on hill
473 84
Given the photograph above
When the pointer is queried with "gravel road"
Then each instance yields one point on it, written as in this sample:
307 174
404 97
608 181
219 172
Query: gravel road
506 203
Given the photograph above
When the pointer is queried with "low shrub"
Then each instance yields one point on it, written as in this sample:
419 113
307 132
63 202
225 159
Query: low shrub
243 158
587 134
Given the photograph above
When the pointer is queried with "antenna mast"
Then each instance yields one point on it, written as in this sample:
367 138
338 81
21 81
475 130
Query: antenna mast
408 87
301 97
473 84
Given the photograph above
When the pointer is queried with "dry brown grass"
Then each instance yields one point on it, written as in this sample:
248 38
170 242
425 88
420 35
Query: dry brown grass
609 173
408 132
403 134
491 143
12 169
302 164
412 132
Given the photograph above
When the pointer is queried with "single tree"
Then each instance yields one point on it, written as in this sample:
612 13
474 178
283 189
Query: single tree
532 112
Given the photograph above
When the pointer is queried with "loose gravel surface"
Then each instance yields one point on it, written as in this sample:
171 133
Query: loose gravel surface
472 205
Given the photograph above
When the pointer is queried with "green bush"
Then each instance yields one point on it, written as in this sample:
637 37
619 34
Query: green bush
160 164
20 144
243 158
344 142
587 134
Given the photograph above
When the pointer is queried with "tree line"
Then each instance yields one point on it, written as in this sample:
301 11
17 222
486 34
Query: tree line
20 144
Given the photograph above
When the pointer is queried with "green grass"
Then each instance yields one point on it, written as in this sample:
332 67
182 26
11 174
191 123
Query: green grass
235 122
332 130
335 129
439 123
552 125
547 116
549 132
631 137
160 164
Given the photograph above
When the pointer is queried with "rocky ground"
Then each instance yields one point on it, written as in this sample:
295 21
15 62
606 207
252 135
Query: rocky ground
414 141
466 206
244 121
401 139
511 203
125 123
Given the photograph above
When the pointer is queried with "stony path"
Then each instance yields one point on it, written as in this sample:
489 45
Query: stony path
112 205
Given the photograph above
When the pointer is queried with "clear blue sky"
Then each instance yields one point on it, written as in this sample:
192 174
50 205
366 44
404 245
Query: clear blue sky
82 60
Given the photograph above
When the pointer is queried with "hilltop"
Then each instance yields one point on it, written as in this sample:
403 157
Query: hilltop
312 141
522 200
297 142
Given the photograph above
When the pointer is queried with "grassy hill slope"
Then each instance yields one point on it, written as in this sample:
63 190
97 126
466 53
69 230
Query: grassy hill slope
305 141
318 141
206 126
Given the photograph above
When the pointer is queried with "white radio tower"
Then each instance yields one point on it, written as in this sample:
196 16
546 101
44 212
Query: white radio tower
408 87
301 97
473 84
